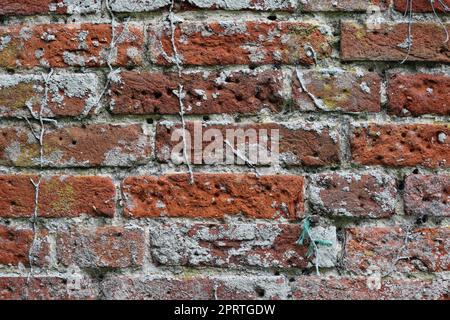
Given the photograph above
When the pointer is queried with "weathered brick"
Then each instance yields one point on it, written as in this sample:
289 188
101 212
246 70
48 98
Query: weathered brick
418 94
194 288
263 5
337 90
341 5
421 5
214 196
69 95
354 195
103 247
237 245
15 247
75 146
63 45
398 145
59 196
299 144
249 42
389 249
30 7
368 288
251 288
46 288
427 195
358 42
245 92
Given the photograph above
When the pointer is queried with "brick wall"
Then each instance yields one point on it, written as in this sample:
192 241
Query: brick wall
92 206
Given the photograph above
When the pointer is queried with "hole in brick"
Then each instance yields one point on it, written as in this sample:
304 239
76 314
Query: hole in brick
206 118
74 142
169 91
60 138
260 292
422 219
83 126
13 203
379 157
239 97
149 121
416 171
157 94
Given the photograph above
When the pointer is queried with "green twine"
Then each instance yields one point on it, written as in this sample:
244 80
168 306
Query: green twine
313 243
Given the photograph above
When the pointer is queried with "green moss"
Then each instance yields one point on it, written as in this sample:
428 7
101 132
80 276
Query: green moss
17 96
65 196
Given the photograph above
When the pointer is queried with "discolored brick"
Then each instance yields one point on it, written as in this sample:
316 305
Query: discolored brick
249 42
337 90
386 43
427 195
391 249
65 45
353 195
237 245
75 146
102 247
299 144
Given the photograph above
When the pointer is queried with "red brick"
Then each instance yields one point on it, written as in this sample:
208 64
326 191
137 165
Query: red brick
214 196
371 288
399 145
245 92
76 146
360 43
248 42
59 196
236 245
341 5
420 5
30 7
379 248
63 45
69 95
354 195
427 195
103 247
15 246
418 94
194 288
45 288
338 91
299 145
